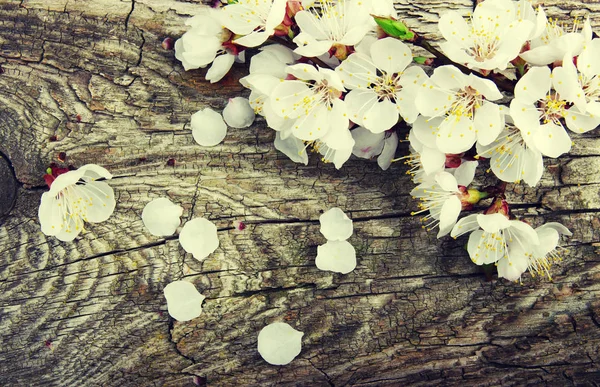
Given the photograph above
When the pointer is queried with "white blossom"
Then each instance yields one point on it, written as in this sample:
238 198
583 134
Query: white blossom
199 237
390 144
463 103
538 258
581 88
254 19
203 45
441 197
495 238
555 42
335 23
491 40
208 127
425 159
538 111
366 143
267 70
511 159
76 197
184 302
547 252
279 343
312 101
336 256
382 88
238 113
161 217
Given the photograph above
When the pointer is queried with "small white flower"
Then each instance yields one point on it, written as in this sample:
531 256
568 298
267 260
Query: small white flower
255 19
552 45
267 70
279 343
511 159
203 44
76 197
441 197
312 103
425 159
583 88
184 302
199 237
335 225
538 111
382 88
495 238
336 256
208 127
161 217
238 113
463 103
491 40
543 255
341 22
539 258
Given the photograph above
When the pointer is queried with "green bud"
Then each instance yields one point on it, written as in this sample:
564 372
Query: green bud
420 59
49 171
394 28
475 196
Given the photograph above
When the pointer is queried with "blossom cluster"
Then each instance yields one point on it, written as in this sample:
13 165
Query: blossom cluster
340 78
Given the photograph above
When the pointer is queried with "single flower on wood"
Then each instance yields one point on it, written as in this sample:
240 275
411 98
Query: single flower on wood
75 197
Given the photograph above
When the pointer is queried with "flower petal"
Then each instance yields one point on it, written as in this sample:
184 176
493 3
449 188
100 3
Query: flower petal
279 343
199 237
238 113
184 302
389 151
534 85
493 223
208 127
336 256
450 211
220 67
391 55
335 225
292 147
161 217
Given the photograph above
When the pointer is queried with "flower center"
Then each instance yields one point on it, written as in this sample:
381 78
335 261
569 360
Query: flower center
386 86
552 108
485 42
467 100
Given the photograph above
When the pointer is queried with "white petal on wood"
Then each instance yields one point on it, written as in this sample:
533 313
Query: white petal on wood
199 237
279 343
161 217
184 302
335 225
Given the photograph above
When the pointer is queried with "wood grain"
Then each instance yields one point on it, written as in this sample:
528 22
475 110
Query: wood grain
90 78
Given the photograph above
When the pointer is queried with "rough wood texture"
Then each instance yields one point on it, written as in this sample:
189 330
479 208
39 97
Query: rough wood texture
91 79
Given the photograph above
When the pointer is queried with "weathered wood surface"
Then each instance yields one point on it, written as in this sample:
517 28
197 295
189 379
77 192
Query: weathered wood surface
91 79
